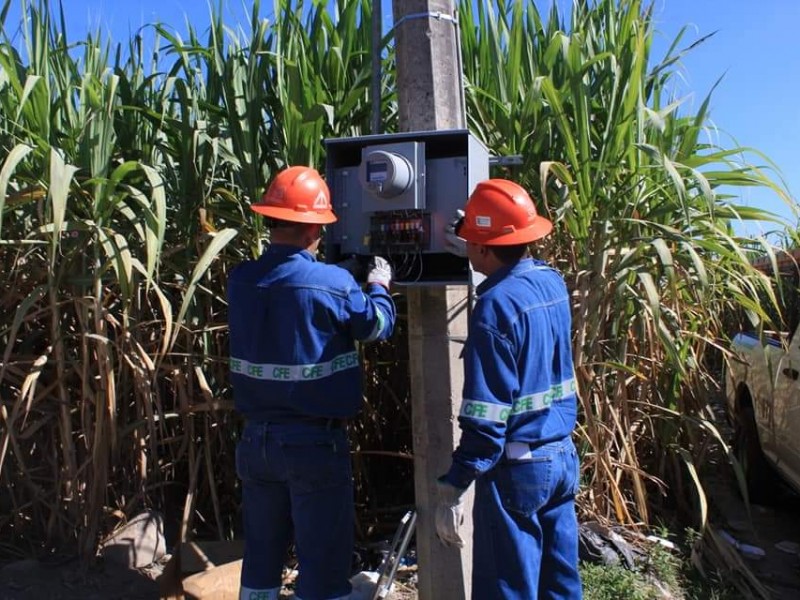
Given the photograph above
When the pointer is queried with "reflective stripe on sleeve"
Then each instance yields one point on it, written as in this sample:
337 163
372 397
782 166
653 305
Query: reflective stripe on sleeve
379 325
499 413
274 372
485 411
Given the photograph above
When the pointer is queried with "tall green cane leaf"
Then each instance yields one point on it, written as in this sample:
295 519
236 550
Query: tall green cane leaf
60 181
17 154
155 230
216 246
118 252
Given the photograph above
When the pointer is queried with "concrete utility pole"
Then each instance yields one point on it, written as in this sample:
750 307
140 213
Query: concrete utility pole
429 89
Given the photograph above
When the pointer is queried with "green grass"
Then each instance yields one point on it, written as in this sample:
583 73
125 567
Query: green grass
663 574
610 583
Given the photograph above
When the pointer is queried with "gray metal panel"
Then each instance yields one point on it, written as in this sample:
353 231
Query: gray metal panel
450 182
453 162
353 223
385 138
478 162
448 190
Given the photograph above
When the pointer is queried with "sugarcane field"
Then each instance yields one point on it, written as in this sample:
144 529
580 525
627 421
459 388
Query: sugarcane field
409 299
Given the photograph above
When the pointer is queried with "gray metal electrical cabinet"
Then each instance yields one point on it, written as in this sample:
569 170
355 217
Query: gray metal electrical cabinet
394 194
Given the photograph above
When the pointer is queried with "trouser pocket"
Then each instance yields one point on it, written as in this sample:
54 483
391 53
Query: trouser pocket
525 486
251 455
317 460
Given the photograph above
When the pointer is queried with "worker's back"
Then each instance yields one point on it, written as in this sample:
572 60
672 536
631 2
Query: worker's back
293 322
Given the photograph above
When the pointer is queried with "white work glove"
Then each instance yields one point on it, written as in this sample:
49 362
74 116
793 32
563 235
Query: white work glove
380 271
452 243
449 513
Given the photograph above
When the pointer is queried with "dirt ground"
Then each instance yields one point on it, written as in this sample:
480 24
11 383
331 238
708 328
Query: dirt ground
30 580
773 528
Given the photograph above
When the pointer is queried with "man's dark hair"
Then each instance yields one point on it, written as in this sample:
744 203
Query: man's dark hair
273 223
508 255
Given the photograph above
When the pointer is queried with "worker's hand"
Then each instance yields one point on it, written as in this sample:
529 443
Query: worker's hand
449 513
352 265
452 243
380 271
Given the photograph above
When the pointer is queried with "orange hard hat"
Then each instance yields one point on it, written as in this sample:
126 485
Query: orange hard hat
297 194
501 213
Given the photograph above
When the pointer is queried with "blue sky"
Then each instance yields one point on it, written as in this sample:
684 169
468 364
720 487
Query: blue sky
756 50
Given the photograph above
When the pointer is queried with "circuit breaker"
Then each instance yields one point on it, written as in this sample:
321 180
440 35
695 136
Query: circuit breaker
394 194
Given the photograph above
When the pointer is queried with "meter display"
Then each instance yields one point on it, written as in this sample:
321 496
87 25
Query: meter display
377 171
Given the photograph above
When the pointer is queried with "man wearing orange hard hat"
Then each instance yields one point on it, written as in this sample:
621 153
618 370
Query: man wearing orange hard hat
518 410
296 379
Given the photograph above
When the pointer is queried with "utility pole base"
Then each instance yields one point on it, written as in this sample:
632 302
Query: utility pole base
438 318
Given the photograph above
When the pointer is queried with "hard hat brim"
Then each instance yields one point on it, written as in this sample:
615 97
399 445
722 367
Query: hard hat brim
287 214
539 228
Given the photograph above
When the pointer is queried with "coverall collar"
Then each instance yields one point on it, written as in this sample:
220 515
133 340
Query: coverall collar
526 264
285 250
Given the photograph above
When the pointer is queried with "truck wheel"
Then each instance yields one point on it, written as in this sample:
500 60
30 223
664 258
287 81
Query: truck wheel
757 472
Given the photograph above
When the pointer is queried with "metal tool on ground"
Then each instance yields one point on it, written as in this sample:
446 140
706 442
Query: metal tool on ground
390 563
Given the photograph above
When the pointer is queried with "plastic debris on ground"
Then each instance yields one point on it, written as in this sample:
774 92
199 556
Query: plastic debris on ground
746 550
788 547
600 544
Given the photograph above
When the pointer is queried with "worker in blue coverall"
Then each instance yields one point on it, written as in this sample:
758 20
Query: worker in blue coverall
297 380
518 410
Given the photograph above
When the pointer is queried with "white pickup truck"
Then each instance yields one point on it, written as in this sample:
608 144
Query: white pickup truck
762 388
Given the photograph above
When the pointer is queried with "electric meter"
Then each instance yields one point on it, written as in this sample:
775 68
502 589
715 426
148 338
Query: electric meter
392 176
386 174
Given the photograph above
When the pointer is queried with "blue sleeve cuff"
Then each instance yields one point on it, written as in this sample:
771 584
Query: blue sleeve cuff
377 287
459 476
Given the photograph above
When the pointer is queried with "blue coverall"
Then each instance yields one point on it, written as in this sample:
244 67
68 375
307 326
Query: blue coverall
517 415
296 379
